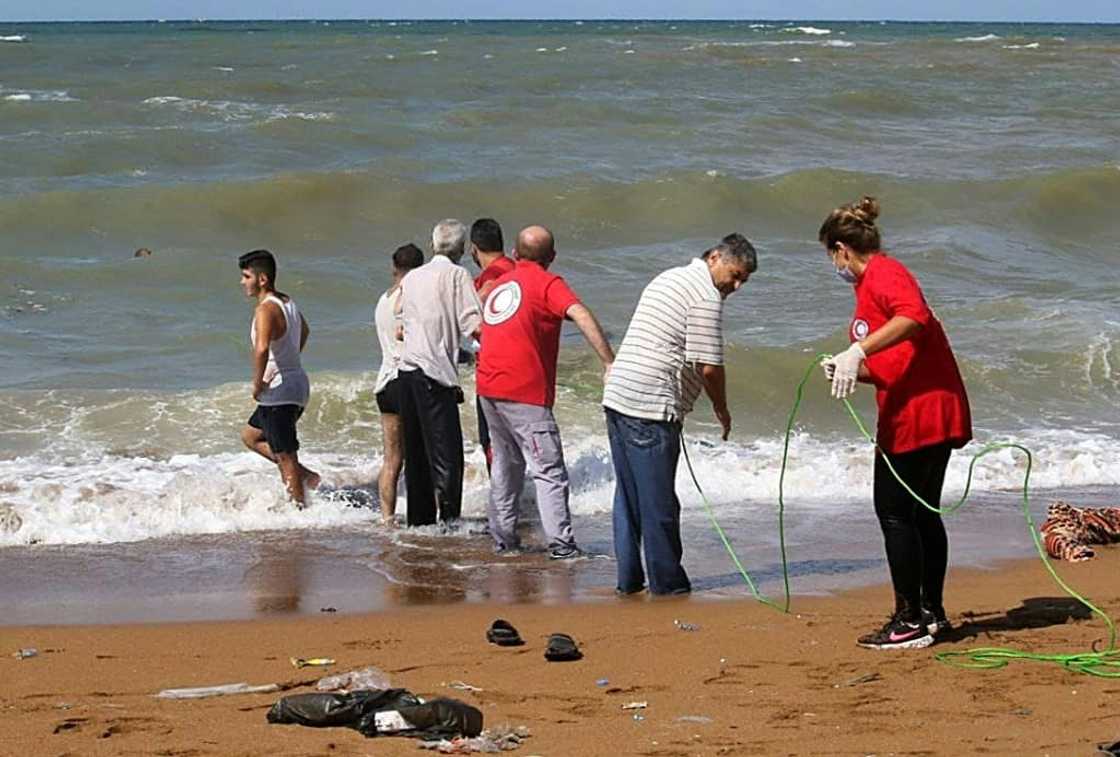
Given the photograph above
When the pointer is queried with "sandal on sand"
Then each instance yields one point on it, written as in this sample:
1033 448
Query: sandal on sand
561 648
503 634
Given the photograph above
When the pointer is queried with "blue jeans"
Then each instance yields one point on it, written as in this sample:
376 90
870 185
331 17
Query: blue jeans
647 513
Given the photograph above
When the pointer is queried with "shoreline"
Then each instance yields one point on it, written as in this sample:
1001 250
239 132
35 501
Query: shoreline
362 569
749 680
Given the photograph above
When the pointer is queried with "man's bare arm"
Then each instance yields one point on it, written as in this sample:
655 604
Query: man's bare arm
586 322
715 385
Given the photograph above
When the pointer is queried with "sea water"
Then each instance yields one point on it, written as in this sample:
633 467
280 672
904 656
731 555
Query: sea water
993 148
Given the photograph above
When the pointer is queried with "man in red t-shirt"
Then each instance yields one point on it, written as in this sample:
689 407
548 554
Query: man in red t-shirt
522 317
488 253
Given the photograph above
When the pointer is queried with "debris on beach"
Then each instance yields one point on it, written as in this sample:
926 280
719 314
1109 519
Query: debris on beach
686 626
228 689
461 686
501 739
310 662
375 712
23 654
635 705
365 678
865 678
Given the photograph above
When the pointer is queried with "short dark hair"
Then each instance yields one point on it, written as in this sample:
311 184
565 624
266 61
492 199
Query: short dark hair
407 257
486 235
259 261
739 247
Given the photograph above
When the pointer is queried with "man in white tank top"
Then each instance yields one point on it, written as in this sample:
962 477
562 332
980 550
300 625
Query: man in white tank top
280 385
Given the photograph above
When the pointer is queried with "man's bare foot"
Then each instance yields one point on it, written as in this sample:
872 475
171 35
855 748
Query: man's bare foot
389 521
311 479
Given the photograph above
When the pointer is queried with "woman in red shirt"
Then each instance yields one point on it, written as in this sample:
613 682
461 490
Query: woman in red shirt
899 346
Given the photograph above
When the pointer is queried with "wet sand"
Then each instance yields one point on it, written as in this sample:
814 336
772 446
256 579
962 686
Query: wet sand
748 681
363 568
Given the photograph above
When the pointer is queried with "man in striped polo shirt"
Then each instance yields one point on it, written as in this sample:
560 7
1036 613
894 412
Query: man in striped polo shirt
673 348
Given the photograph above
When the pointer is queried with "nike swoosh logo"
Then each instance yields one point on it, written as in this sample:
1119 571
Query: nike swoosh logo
902 636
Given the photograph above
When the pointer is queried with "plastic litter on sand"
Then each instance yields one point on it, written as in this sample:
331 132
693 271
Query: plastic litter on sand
217 691
503 738
364 678
311 662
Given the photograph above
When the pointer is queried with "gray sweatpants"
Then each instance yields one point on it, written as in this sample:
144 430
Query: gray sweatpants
526 436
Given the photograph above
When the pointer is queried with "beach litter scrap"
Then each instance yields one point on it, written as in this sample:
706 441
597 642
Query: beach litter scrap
310 662
353 680
686 626
461 686
500 739
217 691
23 654
635 705
865 678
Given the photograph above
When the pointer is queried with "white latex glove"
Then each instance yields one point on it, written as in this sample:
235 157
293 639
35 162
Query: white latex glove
844 369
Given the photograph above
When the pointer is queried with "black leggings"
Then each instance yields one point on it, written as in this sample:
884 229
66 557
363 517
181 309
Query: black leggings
917 547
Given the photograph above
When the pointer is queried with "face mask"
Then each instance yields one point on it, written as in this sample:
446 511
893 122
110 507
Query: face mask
846 275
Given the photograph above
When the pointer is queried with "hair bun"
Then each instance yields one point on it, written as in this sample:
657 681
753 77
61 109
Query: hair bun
866 209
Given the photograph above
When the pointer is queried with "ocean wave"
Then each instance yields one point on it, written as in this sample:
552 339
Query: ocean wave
233 111
105 498
810 30
1028 46
980 38
1076 203
14 38
41 96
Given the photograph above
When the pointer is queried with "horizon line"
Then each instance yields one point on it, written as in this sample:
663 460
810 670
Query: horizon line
485 19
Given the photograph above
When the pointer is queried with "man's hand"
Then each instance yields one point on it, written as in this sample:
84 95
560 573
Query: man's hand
606 372
724 417
845 370
258 387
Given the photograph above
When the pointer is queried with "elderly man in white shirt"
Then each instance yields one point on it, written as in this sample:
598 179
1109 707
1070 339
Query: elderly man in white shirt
439 308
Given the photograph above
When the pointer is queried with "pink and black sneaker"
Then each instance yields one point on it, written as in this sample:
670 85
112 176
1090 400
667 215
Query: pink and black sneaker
898 634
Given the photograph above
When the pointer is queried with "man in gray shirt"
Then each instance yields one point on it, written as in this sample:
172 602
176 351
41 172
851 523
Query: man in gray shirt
439 308
673 348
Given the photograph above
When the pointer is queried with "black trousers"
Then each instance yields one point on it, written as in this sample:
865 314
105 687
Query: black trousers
917 546
433 448
484 434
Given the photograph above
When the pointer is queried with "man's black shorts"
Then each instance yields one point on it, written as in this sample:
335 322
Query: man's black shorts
278 422
389 398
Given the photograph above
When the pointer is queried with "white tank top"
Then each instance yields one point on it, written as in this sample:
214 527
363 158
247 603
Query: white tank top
287 382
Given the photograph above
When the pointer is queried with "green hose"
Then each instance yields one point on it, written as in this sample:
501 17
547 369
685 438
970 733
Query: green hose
1104 664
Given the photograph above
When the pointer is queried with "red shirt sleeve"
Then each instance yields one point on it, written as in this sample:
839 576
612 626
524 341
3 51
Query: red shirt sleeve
558 297
896 292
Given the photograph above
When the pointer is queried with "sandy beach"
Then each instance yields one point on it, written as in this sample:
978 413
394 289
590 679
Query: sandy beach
747 680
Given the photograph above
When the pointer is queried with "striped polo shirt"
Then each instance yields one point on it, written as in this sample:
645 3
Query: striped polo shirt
677 324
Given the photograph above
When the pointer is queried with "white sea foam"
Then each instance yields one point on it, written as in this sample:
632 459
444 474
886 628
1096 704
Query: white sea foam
237 111
981 38
98 497
39 95
224 68
14 38
812 30
1028 46
838 43
430 52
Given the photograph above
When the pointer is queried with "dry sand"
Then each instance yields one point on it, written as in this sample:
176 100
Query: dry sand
792 684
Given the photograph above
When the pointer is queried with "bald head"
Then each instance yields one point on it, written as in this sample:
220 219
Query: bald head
535 243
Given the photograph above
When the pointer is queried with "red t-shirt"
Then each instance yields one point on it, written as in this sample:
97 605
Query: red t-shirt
493 272
919 389
521 322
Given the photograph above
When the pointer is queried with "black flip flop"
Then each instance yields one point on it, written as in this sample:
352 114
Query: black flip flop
503 634
562 648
